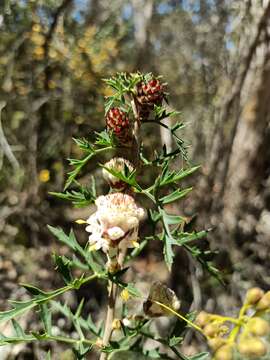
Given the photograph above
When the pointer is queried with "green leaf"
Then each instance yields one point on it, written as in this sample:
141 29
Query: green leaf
167 250
201 356
17 328
39 336
46 317
80 197
127 177
183 238
176 195
84 144
168 177
61 236
86 324
105 139
79 309
171 219
70 240
79 164
33 290
48 356
63 266
133 291
175 340
20 307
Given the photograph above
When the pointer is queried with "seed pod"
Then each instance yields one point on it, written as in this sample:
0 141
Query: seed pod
162 294
224 353
258 326
149 94
254 295
117 121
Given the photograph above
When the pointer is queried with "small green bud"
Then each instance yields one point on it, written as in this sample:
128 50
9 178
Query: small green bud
258 326
254 295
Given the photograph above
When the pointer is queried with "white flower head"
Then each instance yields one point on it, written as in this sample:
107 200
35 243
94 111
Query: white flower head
115 222
120 165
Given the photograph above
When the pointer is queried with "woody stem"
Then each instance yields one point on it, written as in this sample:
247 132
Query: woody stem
121 257
111 308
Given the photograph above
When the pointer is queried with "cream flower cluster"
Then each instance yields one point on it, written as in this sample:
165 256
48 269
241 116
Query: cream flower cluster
117 164
115 223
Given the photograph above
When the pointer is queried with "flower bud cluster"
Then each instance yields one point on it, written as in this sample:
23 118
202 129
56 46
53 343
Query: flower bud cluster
251 343
215 331
257 298
246 333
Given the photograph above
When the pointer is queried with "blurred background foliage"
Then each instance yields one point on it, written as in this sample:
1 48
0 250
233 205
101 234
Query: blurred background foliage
215 56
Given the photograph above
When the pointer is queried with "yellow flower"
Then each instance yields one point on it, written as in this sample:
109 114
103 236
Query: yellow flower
116 325
44 175
36 28
80 221
125 295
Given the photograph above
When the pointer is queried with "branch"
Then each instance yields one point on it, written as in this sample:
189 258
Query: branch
5 145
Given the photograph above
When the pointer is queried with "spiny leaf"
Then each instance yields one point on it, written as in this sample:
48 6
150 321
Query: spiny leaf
128 177
168 177
46 317
18 329
80 197
176 195
20 307
63 266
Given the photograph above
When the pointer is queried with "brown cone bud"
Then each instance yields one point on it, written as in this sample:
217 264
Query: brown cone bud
254 295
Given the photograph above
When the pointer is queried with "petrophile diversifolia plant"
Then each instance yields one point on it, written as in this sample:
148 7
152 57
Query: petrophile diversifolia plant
114 240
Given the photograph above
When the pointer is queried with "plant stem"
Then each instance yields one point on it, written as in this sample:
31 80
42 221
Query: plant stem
121 256
190 323
111 308
109 317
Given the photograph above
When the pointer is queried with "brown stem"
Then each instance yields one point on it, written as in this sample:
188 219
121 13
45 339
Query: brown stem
109 318
111 308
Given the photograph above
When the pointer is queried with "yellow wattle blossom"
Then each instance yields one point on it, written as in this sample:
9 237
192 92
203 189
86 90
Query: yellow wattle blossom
44 175
36 28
